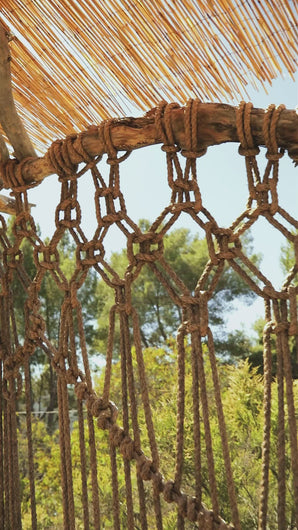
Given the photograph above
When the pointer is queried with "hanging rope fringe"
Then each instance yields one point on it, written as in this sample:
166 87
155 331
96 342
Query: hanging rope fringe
69 359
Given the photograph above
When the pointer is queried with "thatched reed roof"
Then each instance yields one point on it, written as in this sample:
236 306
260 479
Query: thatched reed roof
76 62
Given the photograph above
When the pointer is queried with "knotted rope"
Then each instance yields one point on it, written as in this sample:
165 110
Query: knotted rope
70 360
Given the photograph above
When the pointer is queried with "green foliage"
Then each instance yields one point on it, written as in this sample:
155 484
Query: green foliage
159 316
51 295
47 477
44 380
242 395
241 385
255 352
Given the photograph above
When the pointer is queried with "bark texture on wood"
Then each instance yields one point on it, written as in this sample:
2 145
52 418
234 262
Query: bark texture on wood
216 125
9 118
4 154
8 205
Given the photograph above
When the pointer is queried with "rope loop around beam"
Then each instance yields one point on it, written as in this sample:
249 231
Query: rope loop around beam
243 124
12 175
218 123
271 118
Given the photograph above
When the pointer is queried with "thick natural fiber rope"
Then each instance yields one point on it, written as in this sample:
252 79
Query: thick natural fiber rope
183 184
12 177
30 445
263 506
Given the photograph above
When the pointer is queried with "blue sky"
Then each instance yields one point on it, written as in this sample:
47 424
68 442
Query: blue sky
222 179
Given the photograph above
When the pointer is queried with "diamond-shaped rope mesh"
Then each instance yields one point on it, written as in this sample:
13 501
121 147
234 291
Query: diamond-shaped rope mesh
142 467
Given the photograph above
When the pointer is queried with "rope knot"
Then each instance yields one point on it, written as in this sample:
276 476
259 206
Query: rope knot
180 184
157 482
107 414
104 192
229 249
124 307
36 326
127 448
71 376
200 320
101 409
144 467
188 299
274 157
269 327
269 291
201 327
24 225
105 130
192 328
248 151
111 218
191 509
194 154
96 405
112 161
116 435
89 253
170 148
187 507
169 491
13 362
81 390
150 247
60 158
12 174
262 186
279 327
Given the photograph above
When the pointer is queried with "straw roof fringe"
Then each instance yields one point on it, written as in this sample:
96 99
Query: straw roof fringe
75 63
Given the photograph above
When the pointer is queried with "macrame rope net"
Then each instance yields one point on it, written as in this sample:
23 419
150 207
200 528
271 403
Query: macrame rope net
142 469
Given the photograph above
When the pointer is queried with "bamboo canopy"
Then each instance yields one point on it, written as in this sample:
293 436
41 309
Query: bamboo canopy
75 63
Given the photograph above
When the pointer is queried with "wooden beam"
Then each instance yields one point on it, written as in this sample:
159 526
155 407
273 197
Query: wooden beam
216 125
9 118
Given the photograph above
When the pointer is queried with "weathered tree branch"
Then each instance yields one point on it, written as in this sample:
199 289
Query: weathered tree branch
8 205
216 125
9 118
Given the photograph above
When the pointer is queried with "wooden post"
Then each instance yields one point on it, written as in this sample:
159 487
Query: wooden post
9 118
